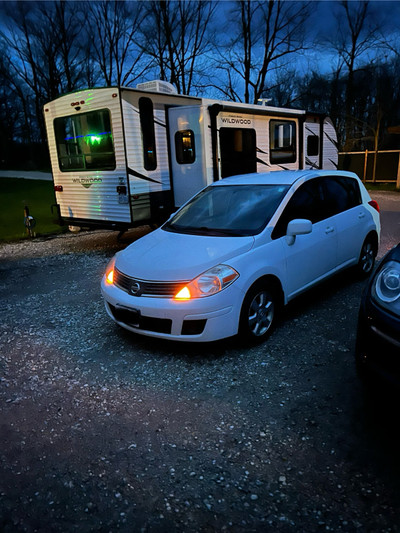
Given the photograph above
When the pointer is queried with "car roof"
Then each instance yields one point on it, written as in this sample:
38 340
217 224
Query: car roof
279 177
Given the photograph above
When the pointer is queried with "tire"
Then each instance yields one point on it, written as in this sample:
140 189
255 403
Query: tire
258 314
366 261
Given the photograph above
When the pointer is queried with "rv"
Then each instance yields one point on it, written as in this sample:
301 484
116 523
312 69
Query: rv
124 157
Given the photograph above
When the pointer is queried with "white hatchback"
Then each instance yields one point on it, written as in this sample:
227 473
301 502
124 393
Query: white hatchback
239 250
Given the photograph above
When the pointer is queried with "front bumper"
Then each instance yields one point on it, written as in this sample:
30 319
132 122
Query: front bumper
378 341
198 320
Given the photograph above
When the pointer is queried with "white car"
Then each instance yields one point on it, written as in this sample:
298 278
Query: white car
239 250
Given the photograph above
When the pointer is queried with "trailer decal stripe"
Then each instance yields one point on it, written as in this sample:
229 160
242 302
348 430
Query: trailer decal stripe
141 176
262 162
259 150
311 163
330 138
309 130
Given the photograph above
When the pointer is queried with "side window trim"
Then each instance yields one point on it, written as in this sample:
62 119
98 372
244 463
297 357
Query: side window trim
185 149
282 141
90 144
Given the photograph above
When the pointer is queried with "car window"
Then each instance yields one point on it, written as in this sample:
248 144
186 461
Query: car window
307 203
341 193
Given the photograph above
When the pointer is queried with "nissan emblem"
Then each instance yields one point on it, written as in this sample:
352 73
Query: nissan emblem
135 287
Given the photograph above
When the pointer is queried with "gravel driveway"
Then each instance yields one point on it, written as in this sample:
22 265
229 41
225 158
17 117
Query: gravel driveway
102 430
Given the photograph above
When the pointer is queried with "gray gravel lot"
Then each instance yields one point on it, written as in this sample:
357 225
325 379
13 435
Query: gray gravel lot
102 430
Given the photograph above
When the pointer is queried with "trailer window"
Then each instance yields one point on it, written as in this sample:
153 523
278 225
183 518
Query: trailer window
282 141
312 145
148 134
184 147
85 141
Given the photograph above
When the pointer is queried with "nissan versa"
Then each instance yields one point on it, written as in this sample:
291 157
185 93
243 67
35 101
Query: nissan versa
231 257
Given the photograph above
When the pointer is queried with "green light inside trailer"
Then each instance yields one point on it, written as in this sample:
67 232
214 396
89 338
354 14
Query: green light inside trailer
96 138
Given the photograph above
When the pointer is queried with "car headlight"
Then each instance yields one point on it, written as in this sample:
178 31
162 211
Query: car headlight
109 274
210 282
386 287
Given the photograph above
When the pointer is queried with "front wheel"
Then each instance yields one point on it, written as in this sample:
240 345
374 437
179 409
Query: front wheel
367 257
258 314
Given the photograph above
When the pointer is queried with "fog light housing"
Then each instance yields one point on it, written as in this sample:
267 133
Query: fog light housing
193 327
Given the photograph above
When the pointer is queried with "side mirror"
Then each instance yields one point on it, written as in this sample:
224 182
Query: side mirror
299 226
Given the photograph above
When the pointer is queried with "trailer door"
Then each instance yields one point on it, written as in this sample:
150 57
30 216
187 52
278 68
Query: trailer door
238 151
187 156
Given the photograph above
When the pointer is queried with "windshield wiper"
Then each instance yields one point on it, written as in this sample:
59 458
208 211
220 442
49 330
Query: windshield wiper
217 231
202 230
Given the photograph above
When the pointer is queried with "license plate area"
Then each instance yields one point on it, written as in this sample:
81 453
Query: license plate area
128 316
134 319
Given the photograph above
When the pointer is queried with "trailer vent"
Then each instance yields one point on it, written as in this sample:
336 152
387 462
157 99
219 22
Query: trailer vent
157 86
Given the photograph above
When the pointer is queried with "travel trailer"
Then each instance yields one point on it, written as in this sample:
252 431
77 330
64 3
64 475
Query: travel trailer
124 157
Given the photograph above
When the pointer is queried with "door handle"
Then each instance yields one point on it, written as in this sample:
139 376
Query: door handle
361 215
329 229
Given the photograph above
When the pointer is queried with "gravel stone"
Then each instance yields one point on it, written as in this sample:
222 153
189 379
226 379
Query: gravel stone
103 430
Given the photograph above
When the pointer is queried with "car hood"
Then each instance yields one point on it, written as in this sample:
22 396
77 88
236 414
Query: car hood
165 256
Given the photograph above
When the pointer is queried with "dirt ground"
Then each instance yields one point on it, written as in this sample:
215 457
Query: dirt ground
102 430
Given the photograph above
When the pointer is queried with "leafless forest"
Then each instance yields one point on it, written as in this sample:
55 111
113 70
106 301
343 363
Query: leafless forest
340 58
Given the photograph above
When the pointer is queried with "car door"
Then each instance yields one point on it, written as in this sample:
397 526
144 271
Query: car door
312 256
343 198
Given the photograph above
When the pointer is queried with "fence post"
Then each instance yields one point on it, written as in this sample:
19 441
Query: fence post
365 166
398 175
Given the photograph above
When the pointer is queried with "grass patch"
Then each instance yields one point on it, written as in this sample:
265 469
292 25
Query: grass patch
390 186
38 195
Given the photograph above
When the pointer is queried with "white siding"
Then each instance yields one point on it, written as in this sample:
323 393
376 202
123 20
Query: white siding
331 156
260 123
311 127
99 200
158 179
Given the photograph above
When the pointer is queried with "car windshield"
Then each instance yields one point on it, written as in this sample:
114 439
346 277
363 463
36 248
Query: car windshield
236 210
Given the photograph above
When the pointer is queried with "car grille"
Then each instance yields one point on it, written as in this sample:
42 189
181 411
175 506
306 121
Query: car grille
140 287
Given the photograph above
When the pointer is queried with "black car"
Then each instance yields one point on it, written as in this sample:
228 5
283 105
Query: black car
378 334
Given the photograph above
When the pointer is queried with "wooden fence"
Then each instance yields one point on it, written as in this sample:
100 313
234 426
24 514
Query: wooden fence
385 169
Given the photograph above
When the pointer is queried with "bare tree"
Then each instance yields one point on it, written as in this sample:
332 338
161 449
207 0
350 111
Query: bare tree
113 29
12 116
40 42
25 75
176 38
68 28
356 35
265 35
